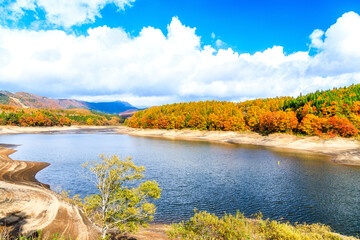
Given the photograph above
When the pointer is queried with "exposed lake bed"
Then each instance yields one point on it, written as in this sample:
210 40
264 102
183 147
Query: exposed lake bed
344 151
288 185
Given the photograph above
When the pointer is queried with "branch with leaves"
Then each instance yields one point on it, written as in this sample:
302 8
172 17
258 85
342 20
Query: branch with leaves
119 204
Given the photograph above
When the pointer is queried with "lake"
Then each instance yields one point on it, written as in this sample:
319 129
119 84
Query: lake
218 178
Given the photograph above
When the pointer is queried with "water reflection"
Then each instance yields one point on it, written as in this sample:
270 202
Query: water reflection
214 177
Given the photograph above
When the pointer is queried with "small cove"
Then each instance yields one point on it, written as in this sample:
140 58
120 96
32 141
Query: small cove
214 177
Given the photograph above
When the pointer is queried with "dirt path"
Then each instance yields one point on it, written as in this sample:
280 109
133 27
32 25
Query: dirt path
18 102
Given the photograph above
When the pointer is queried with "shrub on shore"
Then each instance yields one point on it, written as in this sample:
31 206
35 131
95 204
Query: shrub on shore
11 233
206 226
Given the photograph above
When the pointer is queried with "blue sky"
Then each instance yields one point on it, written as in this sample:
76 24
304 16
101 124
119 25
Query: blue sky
239 50
245 26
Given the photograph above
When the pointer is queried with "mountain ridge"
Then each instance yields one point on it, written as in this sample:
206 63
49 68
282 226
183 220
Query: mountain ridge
29 100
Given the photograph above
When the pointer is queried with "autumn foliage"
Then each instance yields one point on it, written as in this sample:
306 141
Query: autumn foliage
312 125
28 117
209 115
279 121
333 113
340 126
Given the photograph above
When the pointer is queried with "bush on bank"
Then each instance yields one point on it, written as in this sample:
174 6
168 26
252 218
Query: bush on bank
206 226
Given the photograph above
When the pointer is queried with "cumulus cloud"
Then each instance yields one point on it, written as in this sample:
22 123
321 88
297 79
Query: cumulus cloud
65 13
316 39
339 51
157 68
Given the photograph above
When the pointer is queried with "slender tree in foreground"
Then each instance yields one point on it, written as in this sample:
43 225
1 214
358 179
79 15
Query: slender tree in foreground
119 204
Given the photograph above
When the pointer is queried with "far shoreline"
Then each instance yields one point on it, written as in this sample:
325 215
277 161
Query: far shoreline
345 151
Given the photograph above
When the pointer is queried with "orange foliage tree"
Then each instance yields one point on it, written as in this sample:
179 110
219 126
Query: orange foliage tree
10 115
333 112
278 121
312 125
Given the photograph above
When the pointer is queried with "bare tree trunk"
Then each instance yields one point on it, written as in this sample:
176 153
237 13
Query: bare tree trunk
104 232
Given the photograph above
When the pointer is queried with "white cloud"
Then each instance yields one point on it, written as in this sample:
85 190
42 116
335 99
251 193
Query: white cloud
66 13
156 68
344 37
219 43
316 39
340 50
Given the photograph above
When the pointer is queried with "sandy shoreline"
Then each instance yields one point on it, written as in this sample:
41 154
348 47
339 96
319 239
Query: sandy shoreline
28 205
72 129
342 150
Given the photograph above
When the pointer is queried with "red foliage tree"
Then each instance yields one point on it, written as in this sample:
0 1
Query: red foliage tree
341 126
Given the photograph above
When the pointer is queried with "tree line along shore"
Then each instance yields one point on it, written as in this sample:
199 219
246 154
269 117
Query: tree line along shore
328 113
323 113
32 117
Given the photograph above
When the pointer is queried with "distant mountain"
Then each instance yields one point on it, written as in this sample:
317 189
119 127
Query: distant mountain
110 107
28 100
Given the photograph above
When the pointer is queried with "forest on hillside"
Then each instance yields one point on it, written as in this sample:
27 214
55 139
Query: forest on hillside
30 117
332 113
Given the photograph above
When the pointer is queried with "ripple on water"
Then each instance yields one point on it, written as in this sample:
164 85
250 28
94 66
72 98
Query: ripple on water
213 177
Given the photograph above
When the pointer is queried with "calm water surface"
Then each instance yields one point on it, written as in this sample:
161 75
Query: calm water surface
214 177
